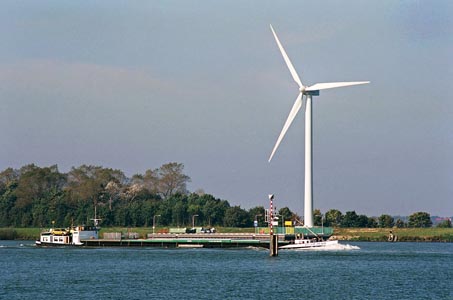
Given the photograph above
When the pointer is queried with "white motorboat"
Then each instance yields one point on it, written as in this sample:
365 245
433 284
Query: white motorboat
310 244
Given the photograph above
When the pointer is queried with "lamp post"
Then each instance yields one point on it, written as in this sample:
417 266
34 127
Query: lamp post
322 225
256 222
154 222
193 220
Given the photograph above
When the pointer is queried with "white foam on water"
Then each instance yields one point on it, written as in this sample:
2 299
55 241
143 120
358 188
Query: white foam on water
345 247
334 247
256 248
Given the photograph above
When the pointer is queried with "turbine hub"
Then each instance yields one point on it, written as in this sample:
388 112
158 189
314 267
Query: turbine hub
302 89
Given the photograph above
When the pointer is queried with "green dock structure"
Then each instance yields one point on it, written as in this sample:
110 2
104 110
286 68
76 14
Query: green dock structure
214 240
324 232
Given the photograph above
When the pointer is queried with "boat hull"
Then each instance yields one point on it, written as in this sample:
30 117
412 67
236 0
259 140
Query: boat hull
44 244
309 244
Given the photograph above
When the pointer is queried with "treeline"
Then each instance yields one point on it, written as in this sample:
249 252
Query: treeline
34 196
334 218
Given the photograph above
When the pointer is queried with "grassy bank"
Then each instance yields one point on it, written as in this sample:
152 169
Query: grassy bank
403 234
347 234
19 233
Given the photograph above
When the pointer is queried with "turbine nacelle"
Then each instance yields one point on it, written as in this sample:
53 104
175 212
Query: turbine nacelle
311 93
304 91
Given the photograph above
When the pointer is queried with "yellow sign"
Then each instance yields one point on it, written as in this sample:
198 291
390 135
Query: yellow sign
288 223
289 230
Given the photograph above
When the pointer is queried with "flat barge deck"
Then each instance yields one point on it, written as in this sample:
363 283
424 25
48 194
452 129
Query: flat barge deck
212 240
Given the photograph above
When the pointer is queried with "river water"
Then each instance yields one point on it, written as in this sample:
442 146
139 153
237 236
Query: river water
351 271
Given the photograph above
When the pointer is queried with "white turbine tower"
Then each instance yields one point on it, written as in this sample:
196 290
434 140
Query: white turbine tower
308 92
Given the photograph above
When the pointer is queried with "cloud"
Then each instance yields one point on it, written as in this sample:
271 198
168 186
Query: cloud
82 78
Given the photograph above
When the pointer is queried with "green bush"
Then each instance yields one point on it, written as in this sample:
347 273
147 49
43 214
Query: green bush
8 234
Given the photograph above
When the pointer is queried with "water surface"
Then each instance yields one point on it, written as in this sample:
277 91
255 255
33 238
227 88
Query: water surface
376 271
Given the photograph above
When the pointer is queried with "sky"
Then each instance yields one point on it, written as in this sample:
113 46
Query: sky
132 85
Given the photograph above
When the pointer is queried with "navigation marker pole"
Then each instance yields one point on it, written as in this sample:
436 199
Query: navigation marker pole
273 239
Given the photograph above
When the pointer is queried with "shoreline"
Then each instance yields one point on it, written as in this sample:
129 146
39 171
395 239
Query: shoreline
435 235
432 234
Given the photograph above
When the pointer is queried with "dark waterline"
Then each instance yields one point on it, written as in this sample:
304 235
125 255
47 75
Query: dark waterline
376 271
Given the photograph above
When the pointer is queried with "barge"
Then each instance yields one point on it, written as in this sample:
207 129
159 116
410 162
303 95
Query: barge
189 241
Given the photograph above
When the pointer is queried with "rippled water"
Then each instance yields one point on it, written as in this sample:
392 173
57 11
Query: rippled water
375 271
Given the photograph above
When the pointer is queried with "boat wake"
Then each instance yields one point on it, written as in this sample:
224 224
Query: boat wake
256 248
14 245
333 247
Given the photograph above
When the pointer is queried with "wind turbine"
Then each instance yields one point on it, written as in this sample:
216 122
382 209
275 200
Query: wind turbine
308 92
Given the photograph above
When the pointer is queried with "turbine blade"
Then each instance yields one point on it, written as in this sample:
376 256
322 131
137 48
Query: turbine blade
292 114
288 62
331 85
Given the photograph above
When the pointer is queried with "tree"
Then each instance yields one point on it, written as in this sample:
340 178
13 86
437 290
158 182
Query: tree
350 219
7 177
372 222
150 180
235 216
386 221
7 201
285 214
195 205
8 183
333 218
36 192
178 204
35 182
210 209
363 222
219 210
112 190
87 187
420 219
257 213
35 196
150 209
168 180
317 217
132 191
444 224
400 223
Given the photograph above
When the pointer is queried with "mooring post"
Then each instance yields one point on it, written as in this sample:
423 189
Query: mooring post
273 239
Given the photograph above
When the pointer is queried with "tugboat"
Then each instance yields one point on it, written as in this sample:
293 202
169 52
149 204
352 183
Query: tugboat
73 236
